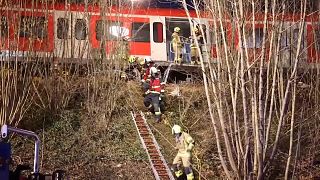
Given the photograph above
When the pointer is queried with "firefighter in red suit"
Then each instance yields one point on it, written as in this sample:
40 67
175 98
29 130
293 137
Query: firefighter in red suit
146 75
154 93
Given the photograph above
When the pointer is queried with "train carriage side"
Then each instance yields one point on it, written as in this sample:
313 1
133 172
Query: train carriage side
71 36
156 31
26 35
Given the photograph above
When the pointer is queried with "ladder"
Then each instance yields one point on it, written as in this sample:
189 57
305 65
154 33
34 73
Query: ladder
158 163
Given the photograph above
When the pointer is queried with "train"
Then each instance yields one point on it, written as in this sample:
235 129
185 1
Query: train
77 33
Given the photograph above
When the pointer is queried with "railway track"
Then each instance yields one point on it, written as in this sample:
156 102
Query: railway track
157 162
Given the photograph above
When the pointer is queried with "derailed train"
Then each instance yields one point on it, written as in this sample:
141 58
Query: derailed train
76 33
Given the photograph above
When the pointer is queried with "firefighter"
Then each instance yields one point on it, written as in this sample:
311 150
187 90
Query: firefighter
133 72
185 144
195 59
148 64
154 93
132 60
176 45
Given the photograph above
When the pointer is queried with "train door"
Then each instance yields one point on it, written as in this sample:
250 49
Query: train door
79 37
205 48
158 34
184 26
62 37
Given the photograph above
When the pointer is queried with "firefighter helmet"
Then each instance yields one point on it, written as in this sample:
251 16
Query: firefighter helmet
153 71
196 30
176 129
132 59
176 29
147 60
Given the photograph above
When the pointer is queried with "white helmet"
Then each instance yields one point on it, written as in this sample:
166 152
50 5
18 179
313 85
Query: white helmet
147 60
153 70
176 29
176 129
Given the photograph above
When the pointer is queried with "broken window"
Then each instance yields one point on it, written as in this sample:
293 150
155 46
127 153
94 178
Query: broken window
62 28
140 32
110 30
80 29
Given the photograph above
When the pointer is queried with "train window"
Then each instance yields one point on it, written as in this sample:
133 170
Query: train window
4 27
284 40
140 32
295 38
100 30
110 30
313 6
34 27
80 29
254 42
62 28
158 32
317 39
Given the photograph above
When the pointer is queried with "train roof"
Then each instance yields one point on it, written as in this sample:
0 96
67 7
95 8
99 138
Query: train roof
135 10
150 11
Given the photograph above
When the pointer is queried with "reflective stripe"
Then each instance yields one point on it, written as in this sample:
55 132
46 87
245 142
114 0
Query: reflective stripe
178 173
190 176
156 92
156 86
157 113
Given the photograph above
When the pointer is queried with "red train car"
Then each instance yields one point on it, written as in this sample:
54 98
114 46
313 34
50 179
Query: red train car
71 32
75 32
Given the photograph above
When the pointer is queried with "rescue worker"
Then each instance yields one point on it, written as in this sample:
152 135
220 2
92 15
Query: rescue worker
176 45
133 71
154 93
195 57
148 63
132 60
184 145
141 64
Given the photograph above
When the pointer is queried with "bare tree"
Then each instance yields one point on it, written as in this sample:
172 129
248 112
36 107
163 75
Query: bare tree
261 83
